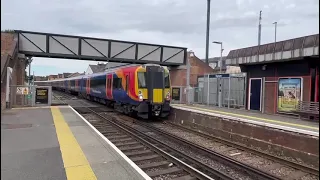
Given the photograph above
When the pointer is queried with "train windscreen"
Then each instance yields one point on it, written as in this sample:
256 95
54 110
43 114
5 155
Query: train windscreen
142 80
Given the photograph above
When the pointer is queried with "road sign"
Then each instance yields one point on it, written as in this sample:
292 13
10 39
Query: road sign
22 90
25 91
29 96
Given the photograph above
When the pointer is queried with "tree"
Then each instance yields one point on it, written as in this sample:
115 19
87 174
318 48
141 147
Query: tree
8 31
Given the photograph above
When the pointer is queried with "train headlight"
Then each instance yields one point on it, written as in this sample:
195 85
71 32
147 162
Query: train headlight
168 96
140 96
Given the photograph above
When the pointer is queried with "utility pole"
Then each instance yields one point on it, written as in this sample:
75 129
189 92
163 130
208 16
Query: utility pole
275 31
208 29
30 61
259 30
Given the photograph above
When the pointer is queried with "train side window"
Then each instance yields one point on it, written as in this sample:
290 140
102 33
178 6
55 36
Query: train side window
117 83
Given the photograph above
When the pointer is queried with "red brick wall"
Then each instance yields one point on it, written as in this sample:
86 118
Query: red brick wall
8 43
197 67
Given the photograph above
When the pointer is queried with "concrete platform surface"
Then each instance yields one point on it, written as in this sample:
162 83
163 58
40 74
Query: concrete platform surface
276 121
56 143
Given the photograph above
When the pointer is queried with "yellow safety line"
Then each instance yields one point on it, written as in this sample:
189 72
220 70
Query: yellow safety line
75 163
249 117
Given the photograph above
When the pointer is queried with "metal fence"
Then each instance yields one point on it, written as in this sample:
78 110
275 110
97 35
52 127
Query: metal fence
27 96
223 90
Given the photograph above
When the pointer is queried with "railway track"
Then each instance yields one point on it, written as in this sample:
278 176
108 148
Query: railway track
234 146
276 169
151 143
185 165
146 152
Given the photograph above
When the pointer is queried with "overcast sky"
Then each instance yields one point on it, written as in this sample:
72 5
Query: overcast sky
170 22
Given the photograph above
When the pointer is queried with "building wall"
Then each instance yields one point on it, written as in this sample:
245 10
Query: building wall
197 67
272 73
88 71
8 43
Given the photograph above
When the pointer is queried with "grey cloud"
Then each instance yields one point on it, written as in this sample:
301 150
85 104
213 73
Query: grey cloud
165 21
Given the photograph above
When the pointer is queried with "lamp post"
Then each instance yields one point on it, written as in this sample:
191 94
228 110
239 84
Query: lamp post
191 54
220 86
221 50
29 62
208 29
275 31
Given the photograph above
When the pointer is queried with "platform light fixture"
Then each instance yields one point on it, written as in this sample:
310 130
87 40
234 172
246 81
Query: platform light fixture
221 50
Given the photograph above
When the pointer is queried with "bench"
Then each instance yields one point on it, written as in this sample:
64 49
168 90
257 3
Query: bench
306 109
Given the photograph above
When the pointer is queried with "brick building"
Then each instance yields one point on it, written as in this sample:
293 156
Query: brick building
9 58
280 74
197 67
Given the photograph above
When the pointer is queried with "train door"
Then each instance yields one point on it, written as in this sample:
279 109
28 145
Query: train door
109 86
127 87
88 85
76 85
155 83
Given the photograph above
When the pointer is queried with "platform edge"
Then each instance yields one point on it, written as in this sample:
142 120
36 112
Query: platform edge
132 164
279 127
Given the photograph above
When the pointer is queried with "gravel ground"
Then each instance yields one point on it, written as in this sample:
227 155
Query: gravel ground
276 153
241 156
283 171
150 161
169 176
309 177
215 165
215 146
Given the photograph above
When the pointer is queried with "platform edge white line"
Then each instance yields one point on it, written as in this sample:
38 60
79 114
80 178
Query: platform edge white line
142 173
279 127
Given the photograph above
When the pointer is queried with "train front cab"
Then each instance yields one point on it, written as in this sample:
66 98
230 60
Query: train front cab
153 91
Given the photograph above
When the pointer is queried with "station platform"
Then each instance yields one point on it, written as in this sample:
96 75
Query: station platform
274 121
57 143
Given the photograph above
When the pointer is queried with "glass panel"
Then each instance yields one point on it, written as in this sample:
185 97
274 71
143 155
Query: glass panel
166 80
142 80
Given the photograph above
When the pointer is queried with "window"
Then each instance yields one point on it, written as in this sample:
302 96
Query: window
166 80
142 80
117 83
98 82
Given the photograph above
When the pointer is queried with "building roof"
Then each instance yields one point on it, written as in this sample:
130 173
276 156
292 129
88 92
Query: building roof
243 55
216 60
65 75
96 68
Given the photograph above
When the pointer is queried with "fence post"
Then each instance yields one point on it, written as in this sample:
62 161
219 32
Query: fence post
229 92
220 92
181 93
263 94
208 93
245 91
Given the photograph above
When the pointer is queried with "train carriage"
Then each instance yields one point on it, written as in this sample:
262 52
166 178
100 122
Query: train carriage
132 89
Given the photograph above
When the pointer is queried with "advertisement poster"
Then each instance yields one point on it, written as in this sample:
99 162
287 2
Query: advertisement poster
176 94
289 93
42 96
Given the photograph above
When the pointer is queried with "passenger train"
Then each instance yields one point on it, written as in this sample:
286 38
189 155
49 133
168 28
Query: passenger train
143 90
